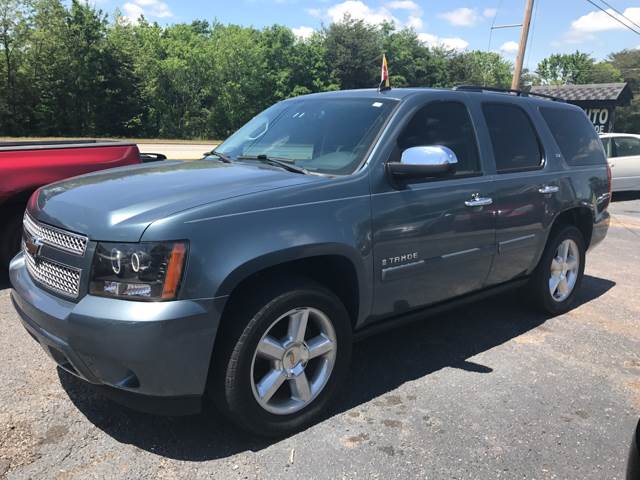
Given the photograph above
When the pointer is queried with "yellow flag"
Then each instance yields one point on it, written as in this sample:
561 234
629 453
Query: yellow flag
384 74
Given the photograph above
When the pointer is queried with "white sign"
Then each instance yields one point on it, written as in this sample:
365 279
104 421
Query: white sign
599 117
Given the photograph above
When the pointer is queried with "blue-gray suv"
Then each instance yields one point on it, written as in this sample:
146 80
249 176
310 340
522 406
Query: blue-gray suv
244 278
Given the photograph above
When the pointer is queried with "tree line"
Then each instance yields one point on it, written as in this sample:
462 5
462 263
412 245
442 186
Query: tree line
72 70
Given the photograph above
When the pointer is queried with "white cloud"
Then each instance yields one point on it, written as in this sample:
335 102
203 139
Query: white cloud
509 47
453 43
414 22
461 17
315 12
403 5
303 32
149 8
132 12
600 21
583 28
489 12
360 11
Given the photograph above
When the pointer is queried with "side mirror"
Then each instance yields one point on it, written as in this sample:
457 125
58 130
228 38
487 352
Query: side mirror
418 163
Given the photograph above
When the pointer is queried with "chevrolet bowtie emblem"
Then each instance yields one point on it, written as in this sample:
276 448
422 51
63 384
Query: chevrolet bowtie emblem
33 245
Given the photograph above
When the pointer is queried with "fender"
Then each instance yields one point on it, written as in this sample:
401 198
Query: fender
549 228
301 252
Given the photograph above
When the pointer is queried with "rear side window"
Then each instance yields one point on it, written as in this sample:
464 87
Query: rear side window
575 136
515 143
627 146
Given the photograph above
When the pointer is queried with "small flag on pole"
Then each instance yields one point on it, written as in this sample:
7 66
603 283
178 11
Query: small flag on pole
384 75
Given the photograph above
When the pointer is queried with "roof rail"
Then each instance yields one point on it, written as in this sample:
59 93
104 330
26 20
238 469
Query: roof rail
518 93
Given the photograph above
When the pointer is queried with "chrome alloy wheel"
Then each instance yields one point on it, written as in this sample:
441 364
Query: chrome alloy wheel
293 361
564 270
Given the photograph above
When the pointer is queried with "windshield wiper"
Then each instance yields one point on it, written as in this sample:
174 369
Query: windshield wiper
287 165
223 158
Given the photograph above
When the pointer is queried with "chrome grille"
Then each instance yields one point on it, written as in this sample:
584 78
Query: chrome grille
55 237
64 280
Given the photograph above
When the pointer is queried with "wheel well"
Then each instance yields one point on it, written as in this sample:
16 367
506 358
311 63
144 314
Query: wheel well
19 199
580 217
334 272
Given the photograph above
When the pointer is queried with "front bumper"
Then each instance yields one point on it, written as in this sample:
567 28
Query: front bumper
159 349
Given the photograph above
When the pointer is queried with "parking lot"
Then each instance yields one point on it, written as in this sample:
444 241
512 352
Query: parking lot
490 390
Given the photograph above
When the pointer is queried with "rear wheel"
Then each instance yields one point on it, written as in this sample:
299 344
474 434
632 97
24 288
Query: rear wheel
10 234
558 277
281 358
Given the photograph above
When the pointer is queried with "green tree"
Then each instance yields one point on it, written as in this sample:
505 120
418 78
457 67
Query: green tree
562 69
628 63
604 72
354 53
479 68
411 62
15 28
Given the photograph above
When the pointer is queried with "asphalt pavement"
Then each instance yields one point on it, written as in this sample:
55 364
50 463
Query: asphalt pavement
491 390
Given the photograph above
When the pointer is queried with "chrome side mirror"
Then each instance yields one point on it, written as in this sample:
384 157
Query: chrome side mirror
424 162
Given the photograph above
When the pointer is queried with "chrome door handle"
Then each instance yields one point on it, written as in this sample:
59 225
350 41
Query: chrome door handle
549 189
478 201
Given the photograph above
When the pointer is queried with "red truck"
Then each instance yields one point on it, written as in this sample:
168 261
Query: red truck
26 166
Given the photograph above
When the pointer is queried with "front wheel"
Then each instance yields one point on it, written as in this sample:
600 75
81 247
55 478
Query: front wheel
558 277
281 358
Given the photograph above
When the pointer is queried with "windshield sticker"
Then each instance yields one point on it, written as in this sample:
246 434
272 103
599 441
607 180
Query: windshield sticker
376 104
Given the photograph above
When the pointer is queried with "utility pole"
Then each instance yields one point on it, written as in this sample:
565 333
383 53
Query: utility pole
524 34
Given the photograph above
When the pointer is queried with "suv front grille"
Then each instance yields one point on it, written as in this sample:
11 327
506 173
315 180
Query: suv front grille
62 279
55 237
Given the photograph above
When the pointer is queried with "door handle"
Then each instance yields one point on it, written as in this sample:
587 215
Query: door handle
549 189
478 201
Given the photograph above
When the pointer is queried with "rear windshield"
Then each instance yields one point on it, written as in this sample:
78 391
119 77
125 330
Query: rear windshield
575 136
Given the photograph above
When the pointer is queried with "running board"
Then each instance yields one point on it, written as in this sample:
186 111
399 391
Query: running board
383 325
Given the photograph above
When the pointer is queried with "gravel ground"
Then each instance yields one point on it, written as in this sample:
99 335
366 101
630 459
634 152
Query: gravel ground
486 391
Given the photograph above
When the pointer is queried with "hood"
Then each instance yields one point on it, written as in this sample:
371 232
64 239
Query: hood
119 204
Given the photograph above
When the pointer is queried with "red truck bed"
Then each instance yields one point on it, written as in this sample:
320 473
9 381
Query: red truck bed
26 166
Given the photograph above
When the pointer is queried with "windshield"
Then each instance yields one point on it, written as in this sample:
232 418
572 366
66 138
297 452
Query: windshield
328 136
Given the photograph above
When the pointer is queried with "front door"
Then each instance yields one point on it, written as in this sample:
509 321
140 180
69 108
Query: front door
433 240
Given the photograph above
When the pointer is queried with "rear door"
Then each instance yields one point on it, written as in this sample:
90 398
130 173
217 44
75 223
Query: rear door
625 163
525 188
431 241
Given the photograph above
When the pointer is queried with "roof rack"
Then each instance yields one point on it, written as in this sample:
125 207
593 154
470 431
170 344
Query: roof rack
518 93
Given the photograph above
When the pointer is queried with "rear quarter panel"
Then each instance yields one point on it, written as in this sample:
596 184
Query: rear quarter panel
583 186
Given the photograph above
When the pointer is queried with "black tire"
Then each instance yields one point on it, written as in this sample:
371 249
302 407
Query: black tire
243 325
538 288
10 234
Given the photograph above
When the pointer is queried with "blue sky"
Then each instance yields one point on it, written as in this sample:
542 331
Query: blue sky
558 25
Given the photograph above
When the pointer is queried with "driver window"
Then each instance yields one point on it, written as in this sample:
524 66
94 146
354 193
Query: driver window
447 124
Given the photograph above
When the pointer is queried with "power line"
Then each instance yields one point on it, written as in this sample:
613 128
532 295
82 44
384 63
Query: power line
619 13
614 17
495 15
533 32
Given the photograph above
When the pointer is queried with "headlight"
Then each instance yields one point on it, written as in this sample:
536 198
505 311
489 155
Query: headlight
138 271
